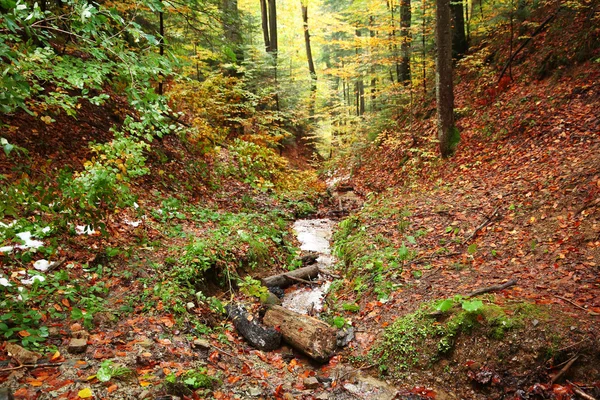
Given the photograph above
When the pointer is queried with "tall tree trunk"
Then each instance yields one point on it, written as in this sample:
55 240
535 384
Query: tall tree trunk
161 45
264 16
405 19
444 87
459 38
311 64
424 51
273 26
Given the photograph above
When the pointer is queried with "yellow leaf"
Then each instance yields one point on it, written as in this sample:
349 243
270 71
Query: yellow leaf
144 383
85 393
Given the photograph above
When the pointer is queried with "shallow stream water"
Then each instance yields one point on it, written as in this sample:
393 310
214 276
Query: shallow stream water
314 236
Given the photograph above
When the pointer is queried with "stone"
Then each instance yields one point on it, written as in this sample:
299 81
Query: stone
255 391
80 335
322 396
201 344
77 345
144 395
271 299
22 355
311 382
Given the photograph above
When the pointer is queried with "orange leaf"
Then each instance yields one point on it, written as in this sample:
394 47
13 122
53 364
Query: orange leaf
24 333
111 388
65 302
233 379
35 383
55 356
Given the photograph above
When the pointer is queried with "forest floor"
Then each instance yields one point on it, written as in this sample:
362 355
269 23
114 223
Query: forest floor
520 201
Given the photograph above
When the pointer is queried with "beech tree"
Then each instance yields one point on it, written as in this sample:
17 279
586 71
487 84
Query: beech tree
443 84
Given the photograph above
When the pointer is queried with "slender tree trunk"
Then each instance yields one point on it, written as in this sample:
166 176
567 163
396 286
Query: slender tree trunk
468 21
311 64
424 50
264 17
273 26
444 86
405 20
161 47
459 38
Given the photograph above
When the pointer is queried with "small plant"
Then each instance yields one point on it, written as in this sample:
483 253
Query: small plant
109 370
252 287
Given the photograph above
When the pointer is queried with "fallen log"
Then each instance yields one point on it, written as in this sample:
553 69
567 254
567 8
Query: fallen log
309 335
289 278
259 336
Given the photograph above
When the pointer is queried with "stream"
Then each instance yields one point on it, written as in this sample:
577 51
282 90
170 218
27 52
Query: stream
314 236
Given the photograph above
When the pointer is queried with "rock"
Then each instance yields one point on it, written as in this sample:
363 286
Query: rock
277 291
23 356
80 335
77 345
310 258
144 395
345 336
201 344
255 391
311 382
322 396
5 394
271 299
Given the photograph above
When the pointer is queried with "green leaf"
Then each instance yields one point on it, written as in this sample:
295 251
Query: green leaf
351 307
472 305
339 322
472 249
104 373
445 305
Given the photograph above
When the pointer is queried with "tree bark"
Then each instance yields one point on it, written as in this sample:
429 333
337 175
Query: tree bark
459 38
284 280
311 336
273 26
444 86
265 24
161 46
405 46
311 64
231 28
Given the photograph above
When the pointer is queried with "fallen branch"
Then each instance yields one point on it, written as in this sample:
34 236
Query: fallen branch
311 283
56 265
494 288
534 34
580 392
576 305
564 369
485 223
42 365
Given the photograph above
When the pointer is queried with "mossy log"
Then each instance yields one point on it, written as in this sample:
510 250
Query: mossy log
289 278
309 335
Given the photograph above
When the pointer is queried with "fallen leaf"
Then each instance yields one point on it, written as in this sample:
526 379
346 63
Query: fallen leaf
85 393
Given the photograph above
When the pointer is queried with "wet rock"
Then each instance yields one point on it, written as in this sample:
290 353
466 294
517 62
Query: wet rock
259 336
367 387
345 336
77 345
311 382
6 394
310 258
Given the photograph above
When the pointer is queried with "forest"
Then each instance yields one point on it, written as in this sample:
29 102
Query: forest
300 199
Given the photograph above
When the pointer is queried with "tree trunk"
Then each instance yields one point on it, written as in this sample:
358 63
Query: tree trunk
424 51
311 336
311 64
444 88
405 19
273 26
161 46
459 38
289 278
265 24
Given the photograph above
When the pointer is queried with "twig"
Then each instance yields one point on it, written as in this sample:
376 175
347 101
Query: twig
331 274
44 365
494 288
222 351
564 369
576 305
485 223
56 264
580 391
